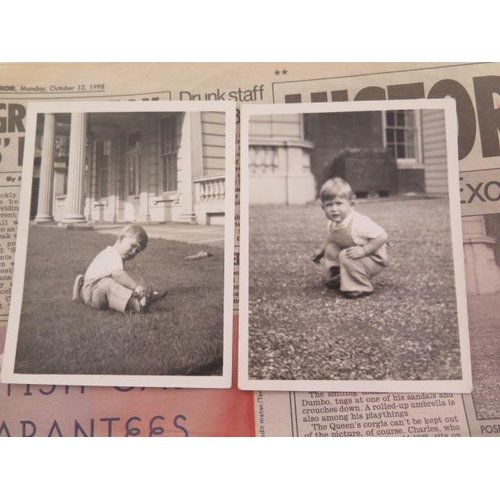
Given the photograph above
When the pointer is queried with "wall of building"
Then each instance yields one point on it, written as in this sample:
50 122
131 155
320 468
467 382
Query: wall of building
434 156
213 132
279 162
332 132
277 127
482 273
201 167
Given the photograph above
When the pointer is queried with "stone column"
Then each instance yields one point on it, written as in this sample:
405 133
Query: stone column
76 170
145 128
185 162
88 188
44 210
196 145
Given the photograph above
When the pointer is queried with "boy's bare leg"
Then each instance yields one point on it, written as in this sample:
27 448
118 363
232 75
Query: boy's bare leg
109 294
144 303
77 288
133 305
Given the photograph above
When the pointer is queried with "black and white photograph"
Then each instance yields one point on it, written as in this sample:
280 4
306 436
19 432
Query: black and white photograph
482 258
352 266
125 247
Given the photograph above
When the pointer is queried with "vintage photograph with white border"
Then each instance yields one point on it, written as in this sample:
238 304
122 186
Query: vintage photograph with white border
150 184
351 263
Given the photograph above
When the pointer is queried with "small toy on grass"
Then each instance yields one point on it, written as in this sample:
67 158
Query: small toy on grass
200 255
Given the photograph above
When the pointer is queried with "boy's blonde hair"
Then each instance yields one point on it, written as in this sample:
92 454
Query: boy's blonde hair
136 231
336 188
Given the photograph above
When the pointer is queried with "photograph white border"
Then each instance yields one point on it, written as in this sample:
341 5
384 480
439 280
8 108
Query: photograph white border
464 385
224 381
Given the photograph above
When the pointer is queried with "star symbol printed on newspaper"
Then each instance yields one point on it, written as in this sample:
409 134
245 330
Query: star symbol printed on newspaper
277 72
284 72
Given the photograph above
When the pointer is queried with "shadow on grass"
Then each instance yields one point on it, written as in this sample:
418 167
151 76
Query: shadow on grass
182 335
300 330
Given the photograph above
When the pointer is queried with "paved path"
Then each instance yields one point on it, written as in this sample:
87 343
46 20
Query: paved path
485 354
203 235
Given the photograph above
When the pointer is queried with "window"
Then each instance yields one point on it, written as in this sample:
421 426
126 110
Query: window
133 160
134 174
103 160
61 157
168 152
134 141
62 149
307 127
401 134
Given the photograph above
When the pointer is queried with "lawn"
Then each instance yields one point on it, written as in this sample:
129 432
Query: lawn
301 330
182 335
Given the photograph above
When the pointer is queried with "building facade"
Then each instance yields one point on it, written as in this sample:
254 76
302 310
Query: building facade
290 154
279 160
125 167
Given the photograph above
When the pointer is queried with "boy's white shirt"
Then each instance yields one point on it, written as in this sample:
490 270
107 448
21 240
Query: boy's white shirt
104 263
363 228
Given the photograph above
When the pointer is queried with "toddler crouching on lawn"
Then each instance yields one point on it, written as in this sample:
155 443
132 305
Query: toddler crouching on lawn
356 247
106 285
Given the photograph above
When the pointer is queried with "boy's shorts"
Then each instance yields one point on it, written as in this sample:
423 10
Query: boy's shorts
109 294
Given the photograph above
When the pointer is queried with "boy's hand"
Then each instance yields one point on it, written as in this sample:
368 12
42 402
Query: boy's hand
317 256
139 292
355 252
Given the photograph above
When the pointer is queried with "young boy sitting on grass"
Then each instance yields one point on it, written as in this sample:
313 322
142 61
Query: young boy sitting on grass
106 285
356 247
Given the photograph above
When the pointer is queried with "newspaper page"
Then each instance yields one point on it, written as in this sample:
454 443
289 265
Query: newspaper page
120 410
30 410
476 89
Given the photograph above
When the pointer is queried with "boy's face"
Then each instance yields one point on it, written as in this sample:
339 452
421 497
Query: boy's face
337 209
128 247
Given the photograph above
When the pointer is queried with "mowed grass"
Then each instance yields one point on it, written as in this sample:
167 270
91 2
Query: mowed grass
182 335
300 330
